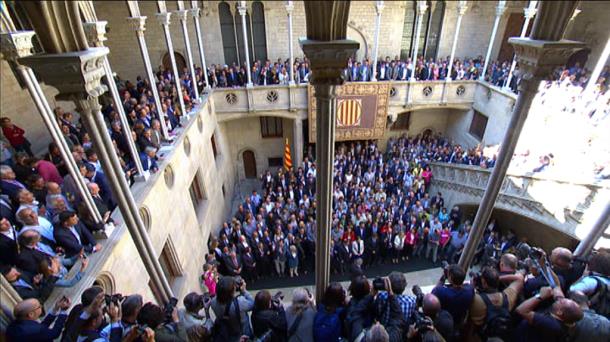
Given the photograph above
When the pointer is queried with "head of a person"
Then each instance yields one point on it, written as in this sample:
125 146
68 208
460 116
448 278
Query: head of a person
150 151
262 300
193 302
580 298
398 282
431 305
225 289
567 310
94 189
28 217
561 258
7 173
29 237
508 263
25 196
53 188
455 274
600 263
6 122
28 310
334 296
130 307
301 299
377 333
5 225
68 218
152 315
359 287
490 278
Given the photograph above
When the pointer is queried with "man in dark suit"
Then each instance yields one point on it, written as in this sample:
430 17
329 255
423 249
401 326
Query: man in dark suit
233 264
149 159
32 258
343 255
8 243
28 285
100 204
100 179
372 250
26 327
73 237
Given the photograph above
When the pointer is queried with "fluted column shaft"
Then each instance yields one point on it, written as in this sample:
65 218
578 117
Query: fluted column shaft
289 9
164 20
182 15
297 138
242 13
421 10
462 7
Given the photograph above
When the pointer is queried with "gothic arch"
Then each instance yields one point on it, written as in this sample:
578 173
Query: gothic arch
356 34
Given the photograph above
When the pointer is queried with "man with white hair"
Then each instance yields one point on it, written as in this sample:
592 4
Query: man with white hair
300 316
149 159
10 185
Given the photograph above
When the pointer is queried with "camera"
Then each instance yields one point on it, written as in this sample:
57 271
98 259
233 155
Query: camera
168 310
419 295
536 253
422 323
116 298
141 328
239 281
379 284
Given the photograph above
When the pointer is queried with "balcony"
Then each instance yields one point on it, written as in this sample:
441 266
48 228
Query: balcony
286 101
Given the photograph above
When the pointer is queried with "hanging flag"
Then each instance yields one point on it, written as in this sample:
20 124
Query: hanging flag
287 157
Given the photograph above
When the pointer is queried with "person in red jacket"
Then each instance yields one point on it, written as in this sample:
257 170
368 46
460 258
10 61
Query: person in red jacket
15 136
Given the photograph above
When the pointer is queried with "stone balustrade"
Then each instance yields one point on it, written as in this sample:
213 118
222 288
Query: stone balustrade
557 203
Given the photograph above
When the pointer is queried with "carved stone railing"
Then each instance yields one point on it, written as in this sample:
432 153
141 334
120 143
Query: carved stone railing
557 203
233 103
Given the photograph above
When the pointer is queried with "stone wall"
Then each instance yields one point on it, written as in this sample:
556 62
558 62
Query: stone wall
591 26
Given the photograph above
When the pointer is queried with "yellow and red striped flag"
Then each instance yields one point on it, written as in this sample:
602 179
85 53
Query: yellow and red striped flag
287 157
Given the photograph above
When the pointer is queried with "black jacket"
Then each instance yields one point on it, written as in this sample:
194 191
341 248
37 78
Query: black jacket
270 320
66 240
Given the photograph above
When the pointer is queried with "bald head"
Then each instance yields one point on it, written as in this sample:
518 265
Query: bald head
94 189
508 262
431 305
561 257
28 309
567 310
580 298
53 188
28 217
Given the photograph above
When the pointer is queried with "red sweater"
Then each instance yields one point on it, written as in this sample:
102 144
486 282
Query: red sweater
14 135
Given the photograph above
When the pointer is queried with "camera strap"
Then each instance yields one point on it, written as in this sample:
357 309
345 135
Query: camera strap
295 325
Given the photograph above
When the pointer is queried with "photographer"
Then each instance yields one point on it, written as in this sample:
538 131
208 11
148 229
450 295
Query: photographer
167 329
231 309
431 321
455 297
388 309
300 316
490 309
547 326
268 317
359 315
407 303
190 317
596 283
566 266
130 307
91 325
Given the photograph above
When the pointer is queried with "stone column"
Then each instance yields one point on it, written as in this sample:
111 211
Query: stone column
601 62
421 10
182 15
499 12
528 13
289 9
328 59
164 20
138 24
16 45
297 138
595 233
195 13
96 35
242 12
77 75
462 7
538 56
378 8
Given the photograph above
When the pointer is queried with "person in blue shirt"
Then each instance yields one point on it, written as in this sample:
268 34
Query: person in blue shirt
455 297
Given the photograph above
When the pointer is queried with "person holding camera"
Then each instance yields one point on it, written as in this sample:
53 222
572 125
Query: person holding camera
431 323
90 329
454 296
388 309
327 325
398 284
300 316
194 323
360 310
231 306
163 321
268 317
491 308
26 326
130 308
596 283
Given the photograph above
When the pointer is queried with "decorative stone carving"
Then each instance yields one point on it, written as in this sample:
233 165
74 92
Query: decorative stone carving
95 32
539 58
460 91
16 44
72 73
181 14
194 12
272 96
328 59
187 145
164 18
427 91
392 92
462 7
289 7
231 98
137 23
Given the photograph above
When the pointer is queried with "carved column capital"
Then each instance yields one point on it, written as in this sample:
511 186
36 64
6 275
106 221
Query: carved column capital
137 23
328 59
181 14
462 7
164 18
538 58
501 8
96 32
16 45
289 7
242 8
379 6
422 6
529 12
194 12
76 75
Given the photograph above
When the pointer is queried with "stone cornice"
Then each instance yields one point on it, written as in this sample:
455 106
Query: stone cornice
16 45
96 33
328 59
538 58
76 75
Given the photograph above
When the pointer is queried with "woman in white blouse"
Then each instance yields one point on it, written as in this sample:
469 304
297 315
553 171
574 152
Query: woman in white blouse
399 244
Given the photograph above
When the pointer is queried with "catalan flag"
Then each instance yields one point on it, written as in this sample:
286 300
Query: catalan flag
287 157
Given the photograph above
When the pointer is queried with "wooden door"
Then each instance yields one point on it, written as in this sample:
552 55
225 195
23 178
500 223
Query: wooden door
513 29
249 164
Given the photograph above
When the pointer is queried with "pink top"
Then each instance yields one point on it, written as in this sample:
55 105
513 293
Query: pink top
427 176
210 282
410 238
48 172
445 234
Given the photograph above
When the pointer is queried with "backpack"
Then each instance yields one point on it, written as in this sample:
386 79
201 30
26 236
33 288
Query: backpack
327 326
227 326
498 320
600 300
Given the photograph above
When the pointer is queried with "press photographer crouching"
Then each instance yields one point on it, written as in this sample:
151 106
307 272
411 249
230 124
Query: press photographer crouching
164 321
268 317
430 321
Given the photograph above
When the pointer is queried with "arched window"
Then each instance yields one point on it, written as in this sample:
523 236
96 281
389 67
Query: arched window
259 35
239 31
435 25
430 30
408 30
227 31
